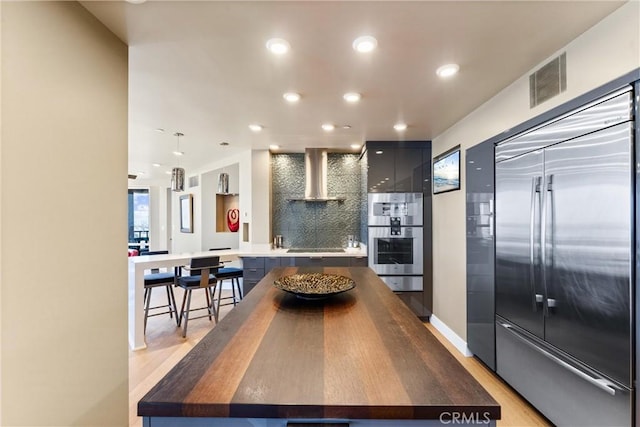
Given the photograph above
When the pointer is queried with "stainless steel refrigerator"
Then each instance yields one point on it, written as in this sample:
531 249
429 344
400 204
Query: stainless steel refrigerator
564 263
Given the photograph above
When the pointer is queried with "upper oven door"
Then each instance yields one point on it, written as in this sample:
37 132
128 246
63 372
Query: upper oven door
384 206
395 254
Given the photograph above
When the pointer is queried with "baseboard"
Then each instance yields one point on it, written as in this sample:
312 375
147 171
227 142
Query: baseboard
451 336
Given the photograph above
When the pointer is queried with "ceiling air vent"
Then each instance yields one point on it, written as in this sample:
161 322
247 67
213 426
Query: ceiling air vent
548 81
193 181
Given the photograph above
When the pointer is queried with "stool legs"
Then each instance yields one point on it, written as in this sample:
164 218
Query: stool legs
235 283
212 313
171 299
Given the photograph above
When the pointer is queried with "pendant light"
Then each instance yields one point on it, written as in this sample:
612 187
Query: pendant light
177 173
223 183
223 177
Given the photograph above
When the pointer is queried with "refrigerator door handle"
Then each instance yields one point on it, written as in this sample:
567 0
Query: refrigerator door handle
535 190
547 199
601 383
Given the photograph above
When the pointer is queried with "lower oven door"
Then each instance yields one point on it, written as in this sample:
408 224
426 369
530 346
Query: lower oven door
395 254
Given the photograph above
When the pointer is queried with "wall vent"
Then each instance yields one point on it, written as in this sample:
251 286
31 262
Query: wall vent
548 81
193 181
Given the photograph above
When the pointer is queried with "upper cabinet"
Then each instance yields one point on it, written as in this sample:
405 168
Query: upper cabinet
398 167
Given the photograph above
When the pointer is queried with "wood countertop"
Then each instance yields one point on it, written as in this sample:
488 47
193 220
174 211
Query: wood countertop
361 354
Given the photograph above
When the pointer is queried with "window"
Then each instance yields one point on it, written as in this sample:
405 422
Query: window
138 216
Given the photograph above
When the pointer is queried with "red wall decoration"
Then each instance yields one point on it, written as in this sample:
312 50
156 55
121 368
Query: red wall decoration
233 219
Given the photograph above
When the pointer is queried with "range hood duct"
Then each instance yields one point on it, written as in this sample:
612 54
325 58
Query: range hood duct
315 173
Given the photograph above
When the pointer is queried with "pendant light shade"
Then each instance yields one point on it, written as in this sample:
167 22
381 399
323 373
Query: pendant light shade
223 183
177 179
177 173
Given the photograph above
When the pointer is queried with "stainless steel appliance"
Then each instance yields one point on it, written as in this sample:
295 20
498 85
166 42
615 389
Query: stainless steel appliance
395 251
396 239
387 209
564 312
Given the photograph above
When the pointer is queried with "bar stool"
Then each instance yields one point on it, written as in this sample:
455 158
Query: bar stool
234 274
202 276
158 279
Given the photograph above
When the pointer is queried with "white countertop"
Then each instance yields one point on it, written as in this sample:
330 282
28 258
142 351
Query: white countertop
284 252
231 254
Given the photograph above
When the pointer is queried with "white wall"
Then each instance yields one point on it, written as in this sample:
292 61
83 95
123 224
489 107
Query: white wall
209 184
259 212
608 50
64 218
250 177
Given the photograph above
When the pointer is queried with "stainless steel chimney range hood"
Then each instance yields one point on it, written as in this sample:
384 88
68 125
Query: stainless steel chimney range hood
315 173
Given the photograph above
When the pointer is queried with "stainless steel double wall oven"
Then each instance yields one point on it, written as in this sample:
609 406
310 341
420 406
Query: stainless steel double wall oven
396 239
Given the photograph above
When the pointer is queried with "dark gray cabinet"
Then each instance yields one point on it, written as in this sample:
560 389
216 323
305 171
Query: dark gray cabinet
358 261
479 183
255 268
253 272
396 167
319 261
414 300
405 167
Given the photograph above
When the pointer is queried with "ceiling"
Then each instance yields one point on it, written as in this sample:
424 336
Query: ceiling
202 68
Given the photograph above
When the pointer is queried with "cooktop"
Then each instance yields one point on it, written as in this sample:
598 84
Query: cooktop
315 250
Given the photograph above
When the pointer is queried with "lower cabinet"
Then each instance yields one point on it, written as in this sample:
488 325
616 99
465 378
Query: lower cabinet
413 300
253 272
255 268
321 261
410 289
358 261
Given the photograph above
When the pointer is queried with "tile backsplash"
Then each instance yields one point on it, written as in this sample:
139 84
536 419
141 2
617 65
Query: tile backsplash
317 224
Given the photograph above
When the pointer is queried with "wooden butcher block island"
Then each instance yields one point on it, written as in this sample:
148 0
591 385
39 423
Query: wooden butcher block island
356 358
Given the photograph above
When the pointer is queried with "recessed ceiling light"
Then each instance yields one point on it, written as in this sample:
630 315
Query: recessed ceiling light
224 143
447 70
351 97
355 146
400 126
278 46
291 96
156 165
379 152
255 128
178 153
274 147
328 127
346 126
136 1
160 130
365 44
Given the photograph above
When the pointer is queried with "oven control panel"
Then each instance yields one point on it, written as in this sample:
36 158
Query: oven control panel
395 226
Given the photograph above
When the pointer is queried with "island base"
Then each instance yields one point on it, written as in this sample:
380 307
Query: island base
446 419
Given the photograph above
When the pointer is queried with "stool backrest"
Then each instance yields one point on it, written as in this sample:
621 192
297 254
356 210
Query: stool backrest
212 262
158 253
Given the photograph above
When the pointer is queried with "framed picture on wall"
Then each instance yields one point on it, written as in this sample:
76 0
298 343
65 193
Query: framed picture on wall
186 213
446 171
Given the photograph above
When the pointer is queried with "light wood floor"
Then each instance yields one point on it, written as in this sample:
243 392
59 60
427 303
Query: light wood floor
165 347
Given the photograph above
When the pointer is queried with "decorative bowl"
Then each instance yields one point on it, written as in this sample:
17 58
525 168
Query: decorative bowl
314 285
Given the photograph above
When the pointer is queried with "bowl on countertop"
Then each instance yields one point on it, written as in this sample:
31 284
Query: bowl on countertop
314 285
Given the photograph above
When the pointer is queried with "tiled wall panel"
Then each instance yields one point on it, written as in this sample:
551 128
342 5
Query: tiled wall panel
316 224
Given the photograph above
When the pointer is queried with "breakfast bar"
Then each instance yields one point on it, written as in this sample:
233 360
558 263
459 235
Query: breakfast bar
359 357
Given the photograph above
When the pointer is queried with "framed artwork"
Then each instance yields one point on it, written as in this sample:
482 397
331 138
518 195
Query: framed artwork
446 171
186 213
